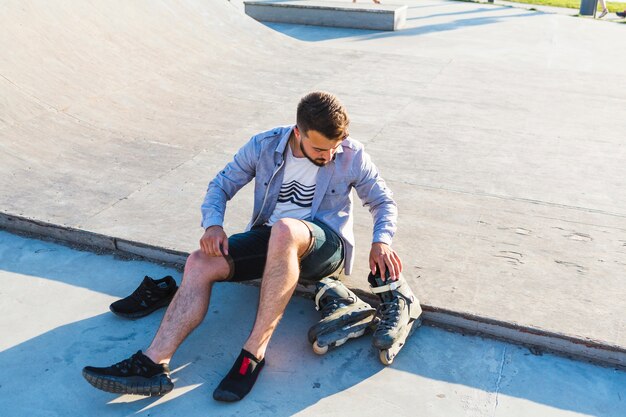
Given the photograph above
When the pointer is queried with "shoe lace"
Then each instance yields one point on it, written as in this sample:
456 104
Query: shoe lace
389 313
125 365
333 305
134 362
141 293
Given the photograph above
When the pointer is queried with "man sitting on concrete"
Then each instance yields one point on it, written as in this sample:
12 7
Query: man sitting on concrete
301 228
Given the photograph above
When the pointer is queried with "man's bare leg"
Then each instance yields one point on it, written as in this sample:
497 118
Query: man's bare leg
148 373
289 240
189 305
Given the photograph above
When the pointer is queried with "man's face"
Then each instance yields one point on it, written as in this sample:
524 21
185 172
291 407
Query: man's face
316 147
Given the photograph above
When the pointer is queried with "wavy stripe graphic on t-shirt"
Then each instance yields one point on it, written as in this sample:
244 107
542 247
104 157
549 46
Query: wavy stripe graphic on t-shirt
296 193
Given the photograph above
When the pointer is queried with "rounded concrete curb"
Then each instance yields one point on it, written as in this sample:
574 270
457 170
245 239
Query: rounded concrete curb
537 340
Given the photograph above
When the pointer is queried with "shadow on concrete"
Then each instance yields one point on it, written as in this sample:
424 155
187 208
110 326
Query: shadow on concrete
295 379
441 27
320 33
463 12
50 363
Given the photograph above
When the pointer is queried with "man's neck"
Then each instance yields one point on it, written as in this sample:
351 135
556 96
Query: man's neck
295 146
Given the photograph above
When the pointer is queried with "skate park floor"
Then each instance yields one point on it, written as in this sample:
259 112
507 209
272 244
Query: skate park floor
500 131
54 318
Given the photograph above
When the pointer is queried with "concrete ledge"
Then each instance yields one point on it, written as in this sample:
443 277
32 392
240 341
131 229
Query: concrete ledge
82 239
537 340
324 13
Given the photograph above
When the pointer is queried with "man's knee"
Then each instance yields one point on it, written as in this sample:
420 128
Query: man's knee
291 232
204 268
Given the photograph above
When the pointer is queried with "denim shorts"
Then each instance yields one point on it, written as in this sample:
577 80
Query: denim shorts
247 253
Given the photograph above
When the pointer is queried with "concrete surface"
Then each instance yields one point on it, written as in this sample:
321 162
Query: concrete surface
329 13
54 319
499 129
611 17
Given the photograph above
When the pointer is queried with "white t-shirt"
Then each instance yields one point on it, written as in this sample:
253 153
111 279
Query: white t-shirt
296 193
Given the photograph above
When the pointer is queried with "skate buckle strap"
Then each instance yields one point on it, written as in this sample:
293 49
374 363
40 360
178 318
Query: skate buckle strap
320 293
394 285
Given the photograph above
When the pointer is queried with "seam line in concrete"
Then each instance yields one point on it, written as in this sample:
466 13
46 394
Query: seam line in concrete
143 186
538 340
499 381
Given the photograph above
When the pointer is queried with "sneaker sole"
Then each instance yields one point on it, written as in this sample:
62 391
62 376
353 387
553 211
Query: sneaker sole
159 304
137 385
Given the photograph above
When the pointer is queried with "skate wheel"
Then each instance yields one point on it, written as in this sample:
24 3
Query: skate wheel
320 350
385 357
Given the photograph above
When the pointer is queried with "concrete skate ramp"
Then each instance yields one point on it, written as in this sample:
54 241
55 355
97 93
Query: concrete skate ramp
510 179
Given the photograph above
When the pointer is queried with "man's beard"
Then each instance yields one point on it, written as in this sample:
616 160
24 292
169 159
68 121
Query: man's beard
319 162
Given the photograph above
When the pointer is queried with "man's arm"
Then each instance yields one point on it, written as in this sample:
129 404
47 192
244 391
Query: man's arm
374 194
221 189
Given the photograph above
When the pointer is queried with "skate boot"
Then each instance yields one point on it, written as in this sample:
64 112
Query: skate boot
344 315
399 313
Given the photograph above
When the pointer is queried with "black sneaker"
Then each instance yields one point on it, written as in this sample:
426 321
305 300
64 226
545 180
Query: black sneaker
241 378
135 375
151 295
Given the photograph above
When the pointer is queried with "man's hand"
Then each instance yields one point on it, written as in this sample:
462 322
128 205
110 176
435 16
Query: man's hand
212 239
383 258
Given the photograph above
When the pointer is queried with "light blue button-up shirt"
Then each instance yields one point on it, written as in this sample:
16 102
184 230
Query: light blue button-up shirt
262 158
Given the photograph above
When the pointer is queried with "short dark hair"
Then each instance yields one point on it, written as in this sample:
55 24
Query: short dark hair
324 113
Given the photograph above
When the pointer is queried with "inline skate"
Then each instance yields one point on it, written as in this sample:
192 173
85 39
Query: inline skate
344 315
399 315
